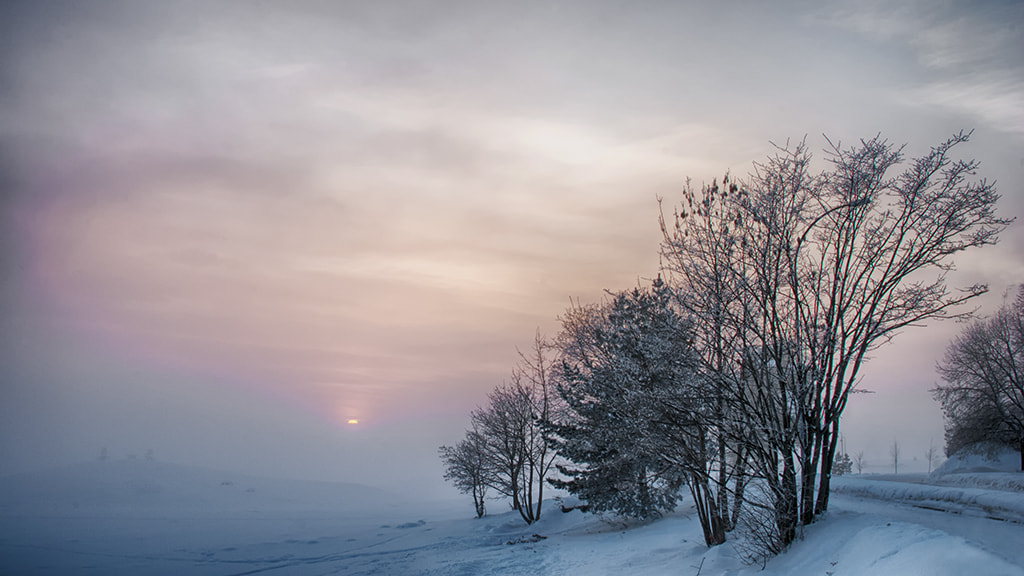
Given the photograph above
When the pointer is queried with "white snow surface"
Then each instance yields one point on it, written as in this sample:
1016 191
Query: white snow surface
1006 505
143 518
994 467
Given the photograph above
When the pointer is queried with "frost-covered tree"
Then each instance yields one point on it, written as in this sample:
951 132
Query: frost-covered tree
624 364
983 391
466 467
508 448
708 291
817 270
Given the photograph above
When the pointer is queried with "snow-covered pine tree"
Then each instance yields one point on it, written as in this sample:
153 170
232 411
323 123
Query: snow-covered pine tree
621 363
843 464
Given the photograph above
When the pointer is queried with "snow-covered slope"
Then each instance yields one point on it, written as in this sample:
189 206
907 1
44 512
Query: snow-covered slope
853 542
988 467
148 518
996 504
984 458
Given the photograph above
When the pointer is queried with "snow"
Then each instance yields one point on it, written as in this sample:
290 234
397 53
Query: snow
143 517
997 504
991 467
986 482
851 542
981 459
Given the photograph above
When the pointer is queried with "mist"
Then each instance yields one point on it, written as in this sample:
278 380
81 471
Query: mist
230 230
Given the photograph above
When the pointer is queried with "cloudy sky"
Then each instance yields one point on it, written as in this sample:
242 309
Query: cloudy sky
230 227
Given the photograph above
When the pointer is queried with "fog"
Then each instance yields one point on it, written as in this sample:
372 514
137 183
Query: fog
229 230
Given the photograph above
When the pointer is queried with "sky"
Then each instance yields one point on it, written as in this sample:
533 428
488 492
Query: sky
229 228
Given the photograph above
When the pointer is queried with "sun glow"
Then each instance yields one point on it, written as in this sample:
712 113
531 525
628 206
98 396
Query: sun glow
353 421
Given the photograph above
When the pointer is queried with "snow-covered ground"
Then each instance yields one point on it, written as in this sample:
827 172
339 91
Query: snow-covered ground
141 517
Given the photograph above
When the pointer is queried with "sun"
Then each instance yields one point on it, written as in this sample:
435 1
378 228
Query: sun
353 421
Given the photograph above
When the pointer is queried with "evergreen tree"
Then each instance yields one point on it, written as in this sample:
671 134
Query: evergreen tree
842 465
621 365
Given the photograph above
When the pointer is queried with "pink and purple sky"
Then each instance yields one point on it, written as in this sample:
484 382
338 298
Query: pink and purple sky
231 227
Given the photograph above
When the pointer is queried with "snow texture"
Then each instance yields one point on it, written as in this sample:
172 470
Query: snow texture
149 518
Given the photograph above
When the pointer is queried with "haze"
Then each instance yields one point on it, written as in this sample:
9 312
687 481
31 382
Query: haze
230 228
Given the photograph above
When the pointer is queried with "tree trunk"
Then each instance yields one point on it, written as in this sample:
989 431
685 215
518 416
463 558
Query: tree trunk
478 501
707 511
641 484
786 513
740 485
808 475
540 498
828 456
723 490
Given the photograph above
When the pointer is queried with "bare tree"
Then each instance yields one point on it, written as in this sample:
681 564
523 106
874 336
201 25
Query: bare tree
983 393
894 453
702 253
819 270
466 467
858 461
534 373
932 455
509 434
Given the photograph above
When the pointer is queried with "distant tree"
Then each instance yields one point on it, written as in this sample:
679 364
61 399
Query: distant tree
843 464
623 365
982 395
894 453
103 454
466 467
858 461
931 455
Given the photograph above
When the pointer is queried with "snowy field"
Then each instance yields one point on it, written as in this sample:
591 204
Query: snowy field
140 517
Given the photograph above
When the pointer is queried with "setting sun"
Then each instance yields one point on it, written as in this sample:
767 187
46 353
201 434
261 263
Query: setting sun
353 421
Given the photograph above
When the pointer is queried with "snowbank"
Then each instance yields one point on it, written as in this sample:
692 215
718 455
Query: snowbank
982 458
992 467
847 543
1002 505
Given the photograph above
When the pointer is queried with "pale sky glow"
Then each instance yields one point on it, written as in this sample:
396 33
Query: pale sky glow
230 228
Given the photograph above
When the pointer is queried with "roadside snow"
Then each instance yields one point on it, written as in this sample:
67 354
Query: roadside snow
980 458
850 542
985 481
997 504
991 467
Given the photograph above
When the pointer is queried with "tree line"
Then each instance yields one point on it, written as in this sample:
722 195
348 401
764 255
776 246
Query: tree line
730 371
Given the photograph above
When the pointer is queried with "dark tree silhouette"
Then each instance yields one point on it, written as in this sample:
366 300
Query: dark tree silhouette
983 393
